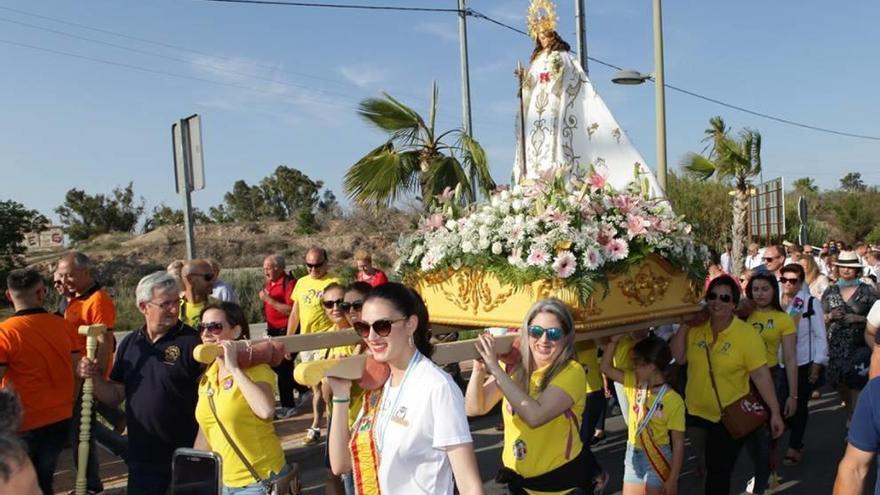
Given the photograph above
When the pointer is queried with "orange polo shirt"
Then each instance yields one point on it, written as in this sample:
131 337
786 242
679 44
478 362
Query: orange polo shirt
93 307
35 348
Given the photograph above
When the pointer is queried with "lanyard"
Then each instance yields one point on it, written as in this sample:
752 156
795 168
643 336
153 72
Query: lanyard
657 401
384 414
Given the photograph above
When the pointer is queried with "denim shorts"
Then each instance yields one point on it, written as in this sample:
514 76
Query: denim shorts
255 488
637 468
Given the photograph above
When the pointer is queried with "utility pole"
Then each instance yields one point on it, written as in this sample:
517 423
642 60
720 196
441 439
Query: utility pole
660 95
185 193
465 74
579 14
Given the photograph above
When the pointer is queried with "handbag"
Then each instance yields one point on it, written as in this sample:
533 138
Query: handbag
289 484
744 415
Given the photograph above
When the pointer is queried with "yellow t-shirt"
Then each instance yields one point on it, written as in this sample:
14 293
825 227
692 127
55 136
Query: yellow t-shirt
307 296
255 437
191 313
588 356
737 352
622 359
668 416
534 451
772 326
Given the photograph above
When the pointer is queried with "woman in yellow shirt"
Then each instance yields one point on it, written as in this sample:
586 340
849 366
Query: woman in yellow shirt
777 329
655 445
737 355
543 401
243 401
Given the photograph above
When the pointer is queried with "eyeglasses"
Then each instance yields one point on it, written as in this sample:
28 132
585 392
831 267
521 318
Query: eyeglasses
725 298
553 333
381 327
166 306
331 304
786 280
352 306
312 266
768 259
207 276
214 327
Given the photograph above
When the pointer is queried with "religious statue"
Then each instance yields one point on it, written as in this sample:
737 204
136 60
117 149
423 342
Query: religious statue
562 120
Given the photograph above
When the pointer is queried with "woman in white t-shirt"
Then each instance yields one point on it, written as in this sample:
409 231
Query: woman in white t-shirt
411 435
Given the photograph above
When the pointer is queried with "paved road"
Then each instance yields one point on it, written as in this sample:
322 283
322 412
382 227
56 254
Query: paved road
815 475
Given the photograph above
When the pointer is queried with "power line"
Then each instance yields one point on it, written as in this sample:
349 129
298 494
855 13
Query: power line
338 6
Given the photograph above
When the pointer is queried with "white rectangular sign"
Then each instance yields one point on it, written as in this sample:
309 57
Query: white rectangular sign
193 151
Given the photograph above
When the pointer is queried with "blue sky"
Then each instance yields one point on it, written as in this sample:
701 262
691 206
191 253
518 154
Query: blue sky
279 85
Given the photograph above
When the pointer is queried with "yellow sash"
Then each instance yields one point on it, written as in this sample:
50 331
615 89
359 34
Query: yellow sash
365 457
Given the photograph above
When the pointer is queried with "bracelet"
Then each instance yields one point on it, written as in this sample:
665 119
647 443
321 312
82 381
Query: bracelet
341 401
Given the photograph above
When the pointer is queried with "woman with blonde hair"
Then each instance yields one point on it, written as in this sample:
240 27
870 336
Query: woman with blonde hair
543 401
814 278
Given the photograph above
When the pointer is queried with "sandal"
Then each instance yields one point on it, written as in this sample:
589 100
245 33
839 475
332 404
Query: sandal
792 459
312 436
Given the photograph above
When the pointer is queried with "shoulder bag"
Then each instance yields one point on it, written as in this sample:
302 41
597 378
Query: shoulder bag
289 484
744 415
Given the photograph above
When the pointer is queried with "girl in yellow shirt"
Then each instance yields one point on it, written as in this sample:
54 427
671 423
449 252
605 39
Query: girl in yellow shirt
655 445
543 402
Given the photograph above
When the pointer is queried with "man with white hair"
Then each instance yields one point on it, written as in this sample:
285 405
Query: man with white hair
157 376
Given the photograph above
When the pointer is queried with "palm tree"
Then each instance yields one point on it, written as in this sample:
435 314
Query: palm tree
415 159
736 159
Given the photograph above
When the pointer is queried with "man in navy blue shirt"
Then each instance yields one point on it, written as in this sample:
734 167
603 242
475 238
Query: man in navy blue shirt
156 375
863 443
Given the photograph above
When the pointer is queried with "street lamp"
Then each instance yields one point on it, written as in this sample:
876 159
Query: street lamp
630 77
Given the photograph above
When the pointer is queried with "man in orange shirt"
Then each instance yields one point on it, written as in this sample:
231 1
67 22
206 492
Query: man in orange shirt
91 305
36 362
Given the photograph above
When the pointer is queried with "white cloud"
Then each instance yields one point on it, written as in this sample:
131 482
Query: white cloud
362 75
445 31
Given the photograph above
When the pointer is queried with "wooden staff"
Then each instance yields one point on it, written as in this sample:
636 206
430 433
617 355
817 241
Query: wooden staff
522 123
91 333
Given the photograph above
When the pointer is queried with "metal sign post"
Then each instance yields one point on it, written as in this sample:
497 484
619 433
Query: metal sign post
189 170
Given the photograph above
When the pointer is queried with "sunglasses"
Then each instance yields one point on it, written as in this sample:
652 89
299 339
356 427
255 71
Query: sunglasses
331 304
786 280
769 258
214 327
352 306
312 266
381 327
725 298
553 333
207 276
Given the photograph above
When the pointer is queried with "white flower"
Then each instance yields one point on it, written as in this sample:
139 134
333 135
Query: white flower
592 258
538 257
497 248
467 247
565 264
616 249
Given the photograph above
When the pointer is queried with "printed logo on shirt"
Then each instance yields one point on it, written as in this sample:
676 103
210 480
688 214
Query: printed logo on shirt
313 297
172 354
758 326
519 450
400 417
770 324
366 424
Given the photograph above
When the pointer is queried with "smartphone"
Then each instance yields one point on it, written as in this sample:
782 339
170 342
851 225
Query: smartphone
196 472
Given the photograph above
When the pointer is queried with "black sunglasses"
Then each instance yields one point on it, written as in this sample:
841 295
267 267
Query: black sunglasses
769 258
725 298
381 327
214 327
786 280
311 266
331 304
352 306
207 276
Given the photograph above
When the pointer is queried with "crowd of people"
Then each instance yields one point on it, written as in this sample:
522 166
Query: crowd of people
766 340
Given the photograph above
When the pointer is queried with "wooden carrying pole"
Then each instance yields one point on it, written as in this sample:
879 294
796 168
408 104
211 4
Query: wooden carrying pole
91 333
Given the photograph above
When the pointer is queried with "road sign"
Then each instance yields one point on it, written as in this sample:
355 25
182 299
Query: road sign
767 210
186 137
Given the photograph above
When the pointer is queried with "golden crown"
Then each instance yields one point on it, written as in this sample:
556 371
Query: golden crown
541 17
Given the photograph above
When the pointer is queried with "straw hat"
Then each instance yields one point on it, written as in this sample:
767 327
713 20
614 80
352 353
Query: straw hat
848 259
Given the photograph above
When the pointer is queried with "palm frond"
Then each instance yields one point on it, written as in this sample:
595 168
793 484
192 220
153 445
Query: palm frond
446 171
699 166
380 177
389 114
477 165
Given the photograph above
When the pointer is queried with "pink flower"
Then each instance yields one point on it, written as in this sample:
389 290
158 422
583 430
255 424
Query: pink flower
624 203
544 77
636 226
556 216
616 249
515 257
447 194
592 259
565 264
538 257
597 181
434 222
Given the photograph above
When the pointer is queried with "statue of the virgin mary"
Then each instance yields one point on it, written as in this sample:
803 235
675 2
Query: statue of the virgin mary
563 121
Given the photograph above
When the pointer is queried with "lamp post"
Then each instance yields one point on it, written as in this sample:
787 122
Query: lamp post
634 77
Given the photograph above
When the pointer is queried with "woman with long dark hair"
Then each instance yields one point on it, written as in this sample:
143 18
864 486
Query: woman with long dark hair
411 436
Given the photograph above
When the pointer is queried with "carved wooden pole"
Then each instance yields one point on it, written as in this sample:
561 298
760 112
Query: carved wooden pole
91 333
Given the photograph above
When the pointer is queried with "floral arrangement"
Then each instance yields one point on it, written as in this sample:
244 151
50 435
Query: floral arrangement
568 225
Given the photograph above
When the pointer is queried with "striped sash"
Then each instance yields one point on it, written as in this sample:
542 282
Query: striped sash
365 457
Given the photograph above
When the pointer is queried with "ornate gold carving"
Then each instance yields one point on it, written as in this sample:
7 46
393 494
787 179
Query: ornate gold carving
645 287
694 293
468 290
